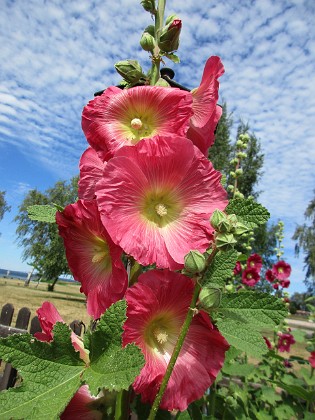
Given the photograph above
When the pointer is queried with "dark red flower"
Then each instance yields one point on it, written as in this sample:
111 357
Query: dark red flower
311 359
285 341
250 277
281 270
254 261
267 341
270 276
237 269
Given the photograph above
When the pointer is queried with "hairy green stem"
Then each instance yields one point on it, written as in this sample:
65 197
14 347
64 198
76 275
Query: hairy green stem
122 405
175 354
212 398
156 59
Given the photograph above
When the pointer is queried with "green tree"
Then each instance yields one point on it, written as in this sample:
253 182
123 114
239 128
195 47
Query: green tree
305 237
43 247
3 205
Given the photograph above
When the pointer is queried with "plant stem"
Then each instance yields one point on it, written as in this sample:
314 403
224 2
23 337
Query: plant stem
175 354
122 405
156 59
212 400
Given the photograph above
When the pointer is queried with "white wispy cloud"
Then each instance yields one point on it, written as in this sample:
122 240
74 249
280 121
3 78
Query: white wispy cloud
56 54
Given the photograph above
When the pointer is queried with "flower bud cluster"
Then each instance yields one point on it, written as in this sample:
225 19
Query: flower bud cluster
169 38
130 70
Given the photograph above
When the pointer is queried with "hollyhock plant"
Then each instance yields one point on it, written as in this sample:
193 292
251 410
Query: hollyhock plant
250 277
83 406
94 260
284 283
206 111
157 307
311 359
91 170
237 269
123 117
156 206
285 341
281 270
254 261
48 316
270 276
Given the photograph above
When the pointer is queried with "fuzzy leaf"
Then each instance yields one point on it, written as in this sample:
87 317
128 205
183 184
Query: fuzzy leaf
50 371
298 391
238 369
221 267
112 366
255 308
42 213
248 212
172 57
239 335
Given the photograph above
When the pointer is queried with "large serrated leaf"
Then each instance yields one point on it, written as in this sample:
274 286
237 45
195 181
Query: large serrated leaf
256 308
221 268
248 212
243 338
42 213
298 391
112 366
50 371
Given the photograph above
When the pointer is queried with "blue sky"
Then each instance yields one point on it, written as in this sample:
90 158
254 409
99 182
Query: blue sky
56 54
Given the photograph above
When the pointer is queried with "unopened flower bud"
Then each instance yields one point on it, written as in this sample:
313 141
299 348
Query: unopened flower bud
233 161
210 298
148 5
233 174
217 218
229 288
239 171
169 39
239 143
231 402
194 262
225 241
230 187
147 41
130 70
241 155
244 137
241 229
239 195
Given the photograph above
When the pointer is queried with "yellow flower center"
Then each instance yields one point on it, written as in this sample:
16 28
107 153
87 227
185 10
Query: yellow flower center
100 253
161 334
280 270
249 276
136 124
161 207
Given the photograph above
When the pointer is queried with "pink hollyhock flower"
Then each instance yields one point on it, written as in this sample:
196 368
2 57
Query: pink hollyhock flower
157 307
281 270
123 117
250 276
287 363
285 341
83 406
268 343
91 170
95 261
48 316
311 359
284 283
270 276
237 269
206 112
156 200
254 261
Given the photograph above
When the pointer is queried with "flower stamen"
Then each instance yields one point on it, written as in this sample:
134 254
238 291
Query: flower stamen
136 124
161 209
160 335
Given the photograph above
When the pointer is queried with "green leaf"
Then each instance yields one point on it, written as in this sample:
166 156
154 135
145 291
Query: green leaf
221 268
255 308
172 57
297 391
238 369
248 212
42 213
299 335
269 395
50 371
306 375
284 412
242 337
112 366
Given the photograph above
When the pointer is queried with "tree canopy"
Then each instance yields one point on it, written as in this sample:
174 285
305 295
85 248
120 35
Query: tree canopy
42 246
304 235
3 205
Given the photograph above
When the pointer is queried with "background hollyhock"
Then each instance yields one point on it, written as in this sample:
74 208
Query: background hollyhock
91 170
250 277
254 261
270 276
157 307
281 270
83 406
48 316
311 359
157 206
93 258
285 341
123 117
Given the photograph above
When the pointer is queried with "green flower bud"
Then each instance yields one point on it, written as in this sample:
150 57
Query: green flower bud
225 241
195 262
230 401
233 161
249 248
239 171
244 137
232 218
229 288
169 39
241 229
233 174
148 5
239 143
210 298
147 41
162 82
217 218
230 187
130 70
239 195
241 155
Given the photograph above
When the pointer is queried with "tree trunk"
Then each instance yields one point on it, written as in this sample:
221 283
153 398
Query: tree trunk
51 286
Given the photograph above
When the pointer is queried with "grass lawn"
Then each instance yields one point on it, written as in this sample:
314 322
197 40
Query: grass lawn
67 298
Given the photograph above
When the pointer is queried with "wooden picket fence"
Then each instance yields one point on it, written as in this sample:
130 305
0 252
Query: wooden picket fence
23 324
